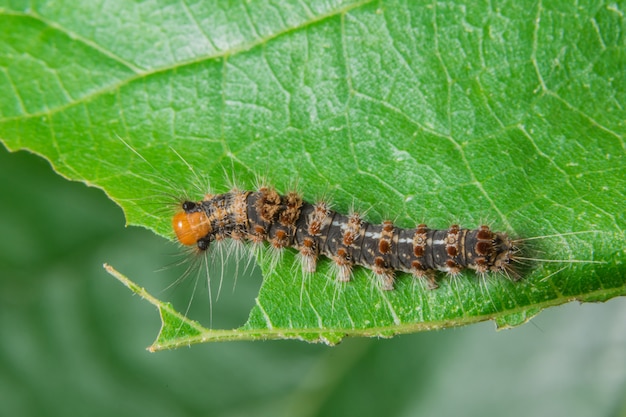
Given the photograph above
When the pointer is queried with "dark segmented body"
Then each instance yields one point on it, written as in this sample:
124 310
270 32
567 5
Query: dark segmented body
315 229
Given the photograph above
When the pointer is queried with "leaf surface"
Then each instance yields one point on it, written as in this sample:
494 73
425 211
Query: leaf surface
415 111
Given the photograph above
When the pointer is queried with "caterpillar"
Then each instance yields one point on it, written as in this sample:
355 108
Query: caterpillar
287 221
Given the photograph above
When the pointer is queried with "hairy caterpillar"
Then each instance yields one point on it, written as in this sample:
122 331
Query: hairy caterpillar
348 240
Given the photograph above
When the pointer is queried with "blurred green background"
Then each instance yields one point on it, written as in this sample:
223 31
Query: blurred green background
72 338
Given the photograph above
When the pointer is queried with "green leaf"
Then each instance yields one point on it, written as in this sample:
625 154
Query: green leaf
444 112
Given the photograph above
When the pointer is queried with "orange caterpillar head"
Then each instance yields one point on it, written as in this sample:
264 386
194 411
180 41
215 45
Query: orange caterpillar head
191 226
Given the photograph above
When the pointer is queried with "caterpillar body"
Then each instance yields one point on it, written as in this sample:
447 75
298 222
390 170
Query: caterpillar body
348 240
